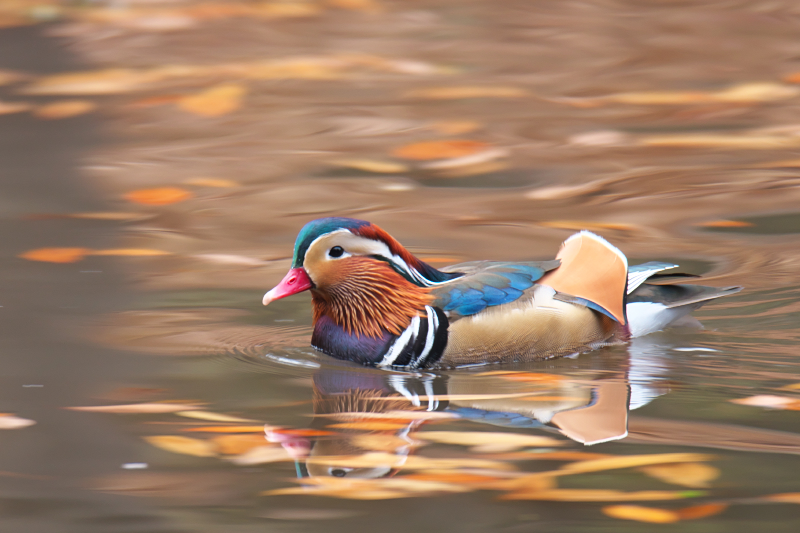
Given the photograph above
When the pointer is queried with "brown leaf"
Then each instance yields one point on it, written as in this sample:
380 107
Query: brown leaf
150 408
426 151
693 475
56 255
183 445
158 196
215 101
641 514
64 109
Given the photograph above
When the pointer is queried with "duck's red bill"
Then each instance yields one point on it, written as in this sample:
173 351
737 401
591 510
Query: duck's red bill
296 280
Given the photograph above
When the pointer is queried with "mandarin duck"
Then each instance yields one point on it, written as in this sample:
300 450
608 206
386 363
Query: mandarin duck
375 303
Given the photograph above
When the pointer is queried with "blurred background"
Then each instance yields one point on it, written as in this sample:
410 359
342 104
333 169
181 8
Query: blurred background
160 156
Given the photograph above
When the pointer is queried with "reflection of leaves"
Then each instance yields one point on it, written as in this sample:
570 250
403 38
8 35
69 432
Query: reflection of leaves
64 109
786 497
260 455
369 165
370 489
215 101
663 516
213 417
378 459
211 182
629 461
8 421
487 442
770 402
56 255
137 408
183 445
158 196
227 429
461 92
599 495
693 475
7 108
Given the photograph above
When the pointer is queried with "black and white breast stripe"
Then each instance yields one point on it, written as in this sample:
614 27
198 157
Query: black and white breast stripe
421 344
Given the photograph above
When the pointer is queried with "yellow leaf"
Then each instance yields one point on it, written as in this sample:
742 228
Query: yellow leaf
64 109
109 81
595 495
182 445
740 94
110 215
214 102
412 462
369 426
694 475
371 489
211 182
56 255
641 514
158 196
367 165
137 408
213 417
461 92
425 151
133 252
786 497
533 377
238 444
725 224
260 455
792 387
629 461
7 108
455 127
487 442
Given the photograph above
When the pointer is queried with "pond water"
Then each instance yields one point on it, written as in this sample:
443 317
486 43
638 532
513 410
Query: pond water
160 158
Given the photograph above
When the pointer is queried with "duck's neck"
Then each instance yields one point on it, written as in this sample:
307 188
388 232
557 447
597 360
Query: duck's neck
370 301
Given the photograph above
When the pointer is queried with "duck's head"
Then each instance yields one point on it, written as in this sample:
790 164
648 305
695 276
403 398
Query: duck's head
359 276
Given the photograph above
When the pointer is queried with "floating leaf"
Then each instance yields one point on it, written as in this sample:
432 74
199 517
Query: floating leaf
792 387
532 377
369 425
213 417
755 141
455 127
412 462
700 511
693 475
214 102
770 402
425 151
56 255
238 444
469 91
183 445
641 514
64 109
599 495
155 407
370 489
369 165
393 415
630 461
158 196
786 497
7 108
473 160
488 442
8 421
211 182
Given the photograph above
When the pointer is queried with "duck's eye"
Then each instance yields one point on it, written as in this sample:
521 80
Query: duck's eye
338 472
336 251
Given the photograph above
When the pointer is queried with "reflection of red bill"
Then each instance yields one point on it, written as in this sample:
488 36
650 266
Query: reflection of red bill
296 280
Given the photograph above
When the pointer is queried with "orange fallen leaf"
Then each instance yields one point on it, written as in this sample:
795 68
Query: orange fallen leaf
700 511
533 377
641 514
183 445
64 109
693 475
237 444
488 441
56 255
425 151
158 196
214 102
369 426
725 224
629 461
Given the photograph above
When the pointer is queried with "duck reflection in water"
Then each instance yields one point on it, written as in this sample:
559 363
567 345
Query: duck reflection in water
377 412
